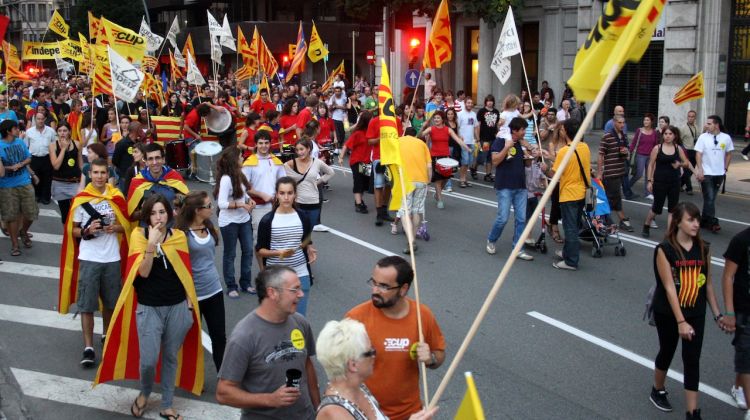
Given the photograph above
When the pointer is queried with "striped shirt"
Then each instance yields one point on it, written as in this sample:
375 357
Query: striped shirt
614 161
286 233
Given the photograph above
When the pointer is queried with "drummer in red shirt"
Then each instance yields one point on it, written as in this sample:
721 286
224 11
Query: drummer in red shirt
382 190
191 130
307 114
246 141
262 105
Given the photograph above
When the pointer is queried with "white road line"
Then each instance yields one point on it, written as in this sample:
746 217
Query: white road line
32 270
49 213
46 238
111 398
665 208
649 364
358 241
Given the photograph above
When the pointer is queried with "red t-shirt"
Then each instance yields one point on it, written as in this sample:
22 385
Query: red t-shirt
357 143
249 142
326 128
286 121
440 138
373 132
260 107
192 120
303 118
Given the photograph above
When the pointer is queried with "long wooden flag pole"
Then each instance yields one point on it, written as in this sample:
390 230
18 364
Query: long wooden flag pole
413 97
529 227
528 91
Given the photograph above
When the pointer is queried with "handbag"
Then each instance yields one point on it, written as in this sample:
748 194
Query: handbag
633 163
648 314
364 168
589 199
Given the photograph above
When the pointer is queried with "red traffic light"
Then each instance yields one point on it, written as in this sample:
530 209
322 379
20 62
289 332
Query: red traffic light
414 42
285 58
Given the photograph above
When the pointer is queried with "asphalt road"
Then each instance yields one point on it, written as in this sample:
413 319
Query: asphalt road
555 344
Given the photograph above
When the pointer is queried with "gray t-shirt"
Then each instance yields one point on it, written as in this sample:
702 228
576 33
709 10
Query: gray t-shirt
258 355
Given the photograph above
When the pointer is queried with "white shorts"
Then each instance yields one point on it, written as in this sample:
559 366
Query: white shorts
415 200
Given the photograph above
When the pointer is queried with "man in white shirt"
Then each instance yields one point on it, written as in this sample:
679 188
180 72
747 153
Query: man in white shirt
429 86
713 153
338 104
38 138
564 113
468 130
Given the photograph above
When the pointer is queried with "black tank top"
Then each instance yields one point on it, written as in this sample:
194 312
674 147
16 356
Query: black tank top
664 173
69 168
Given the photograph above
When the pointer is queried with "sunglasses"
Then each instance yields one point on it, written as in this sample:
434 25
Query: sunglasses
207 206
369 353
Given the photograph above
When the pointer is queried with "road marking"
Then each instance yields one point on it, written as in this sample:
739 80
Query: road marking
111 398
665 208
649 364
49 213
32 270
358 241
46 238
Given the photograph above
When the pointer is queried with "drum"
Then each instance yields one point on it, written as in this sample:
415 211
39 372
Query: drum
326 155
205 153
286 154
446 167
218 121
177 155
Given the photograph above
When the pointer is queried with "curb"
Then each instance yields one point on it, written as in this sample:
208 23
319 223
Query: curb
12 402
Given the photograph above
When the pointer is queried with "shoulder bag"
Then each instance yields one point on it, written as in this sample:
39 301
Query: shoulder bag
589 199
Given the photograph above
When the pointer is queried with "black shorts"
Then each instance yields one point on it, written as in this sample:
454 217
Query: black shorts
741 343
361 181
665 192
613 189
436 176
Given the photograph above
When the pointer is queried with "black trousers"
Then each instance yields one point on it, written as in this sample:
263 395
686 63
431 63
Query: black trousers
212 310
42 167
666 327
687 174
340 133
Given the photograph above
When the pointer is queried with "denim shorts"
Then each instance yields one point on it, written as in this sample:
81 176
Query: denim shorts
96 280
378 178
467 158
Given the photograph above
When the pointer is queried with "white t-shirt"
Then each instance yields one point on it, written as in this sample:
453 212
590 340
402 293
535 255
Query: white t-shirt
712 153
105 247
263 176
234 215
337 114
507 116
562 115
429 87
467 120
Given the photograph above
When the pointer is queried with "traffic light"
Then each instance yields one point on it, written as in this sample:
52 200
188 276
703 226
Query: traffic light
414 45
285 59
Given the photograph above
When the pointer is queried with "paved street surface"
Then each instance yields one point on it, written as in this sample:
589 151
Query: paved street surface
555 344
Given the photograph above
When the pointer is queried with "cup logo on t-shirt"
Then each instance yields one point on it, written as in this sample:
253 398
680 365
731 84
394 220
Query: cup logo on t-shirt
71 162
397 344
298 340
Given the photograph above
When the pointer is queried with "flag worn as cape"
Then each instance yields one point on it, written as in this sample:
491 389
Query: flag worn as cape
439 49
121 357
68 286
252 160
144 181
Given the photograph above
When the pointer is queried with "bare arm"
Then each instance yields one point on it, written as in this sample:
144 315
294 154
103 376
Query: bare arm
458 139
710 294
57 159
652 164
312 383
727 285
230 393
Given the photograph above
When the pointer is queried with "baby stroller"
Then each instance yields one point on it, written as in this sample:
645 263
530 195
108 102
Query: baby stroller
597 226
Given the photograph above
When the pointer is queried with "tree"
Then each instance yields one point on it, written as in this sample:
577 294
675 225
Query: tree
492 11
124 13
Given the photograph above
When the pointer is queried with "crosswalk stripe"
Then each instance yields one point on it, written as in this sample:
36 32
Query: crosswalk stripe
110 398
49 213
33 270
47 238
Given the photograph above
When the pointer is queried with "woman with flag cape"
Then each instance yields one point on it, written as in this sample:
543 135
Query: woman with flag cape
157 312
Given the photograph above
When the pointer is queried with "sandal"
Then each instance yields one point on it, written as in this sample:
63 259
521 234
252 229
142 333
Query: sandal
170 416
463 184
26 240
138 410
555 234
15 252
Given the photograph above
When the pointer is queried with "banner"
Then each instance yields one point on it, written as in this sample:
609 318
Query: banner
128 44
153 41
214 28
507 46
173 31
126 79
57 24
48 50
194 76
317 50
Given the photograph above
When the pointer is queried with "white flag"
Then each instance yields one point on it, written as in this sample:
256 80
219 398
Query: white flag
507 46
172 34
215 50
194 76
227 40
153 41
214 29
501 67
179 59
126 79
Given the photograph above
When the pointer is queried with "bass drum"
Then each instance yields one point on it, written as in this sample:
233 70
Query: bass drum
221 124
177 155
326 155
205 153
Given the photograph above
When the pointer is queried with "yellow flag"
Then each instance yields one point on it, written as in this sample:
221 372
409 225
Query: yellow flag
622 34
57 24
125 42
471 406
94 26
692 90
86 64
188 48
11 55
317 49
263 85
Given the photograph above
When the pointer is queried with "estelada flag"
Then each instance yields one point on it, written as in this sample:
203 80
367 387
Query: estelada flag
130 45
390 153
68 287
471 406
57 24
121 357
692 90
332 77
298 61
266 60
621 34
12 74
439 49
144 181
94 26
249 51
175 71
317 50
188 47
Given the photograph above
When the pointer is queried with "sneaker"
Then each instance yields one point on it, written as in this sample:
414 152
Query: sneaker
448 189
474 174
563 266
325 200
233 294
559 254
745 157
659 399
625 224
88 357
321 228
654 225
650 197
490 248
694 415
739 397
250 290
715 228
394 228
440 204
524 256
530 242
646 231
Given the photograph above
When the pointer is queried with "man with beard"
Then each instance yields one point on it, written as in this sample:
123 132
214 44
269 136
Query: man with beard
391 322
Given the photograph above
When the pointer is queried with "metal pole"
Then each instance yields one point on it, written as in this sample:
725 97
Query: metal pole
354 39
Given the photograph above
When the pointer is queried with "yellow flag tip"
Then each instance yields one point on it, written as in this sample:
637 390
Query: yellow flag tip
468 374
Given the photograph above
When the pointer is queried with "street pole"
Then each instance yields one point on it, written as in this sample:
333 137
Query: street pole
354 39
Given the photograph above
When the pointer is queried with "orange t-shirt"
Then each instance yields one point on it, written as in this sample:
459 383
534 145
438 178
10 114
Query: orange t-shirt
395 378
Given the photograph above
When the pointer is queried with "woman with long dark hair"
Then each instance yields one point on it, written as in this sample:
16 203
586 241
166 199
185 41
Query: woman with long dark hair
234 219
173 108
284 237
359 161
67 161
308 173
683 287
644 140
202 238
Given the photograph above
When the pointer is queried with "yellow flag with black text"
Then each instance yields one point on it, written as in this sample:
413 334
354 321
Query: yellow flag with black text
57 24
317 50
471 406
130 45
621 34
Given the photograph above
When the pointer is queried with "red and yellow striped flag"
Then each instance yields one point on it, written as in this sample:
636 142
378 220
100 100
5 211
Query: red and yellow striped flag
439 49
102 82
174 69
167 128
68 287
12 74
139 185
267 61
188 47
298 62
249 51
121 358
332 78
692 90
94 26
242 73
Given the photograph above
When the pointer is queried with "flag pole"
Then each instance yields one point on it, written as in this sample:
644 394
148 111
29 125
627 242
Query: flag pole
526 232
528 90
114 95
416 89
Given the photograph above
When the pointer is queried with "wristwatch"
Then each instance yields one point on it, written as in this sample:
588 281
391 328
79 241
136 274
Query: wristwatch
433 360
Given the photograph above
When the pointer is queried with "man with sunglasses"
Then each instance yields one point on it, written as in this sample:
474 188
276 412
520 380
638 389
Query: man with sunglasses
390 319
264 347
713 153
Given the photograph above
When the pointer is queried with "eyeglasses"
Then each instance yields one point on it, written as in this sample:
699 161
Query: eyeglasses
207 206
370 353
295 290
380 286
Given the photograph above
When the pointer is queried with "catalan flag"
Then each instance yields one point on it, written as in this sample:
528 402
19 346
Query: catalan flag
471 406
249 51
167 128
102 82
12 74
622 34
317 50
439 49
332 77
68 287
121 358
298 62
692 90
175 71
188 47
266 60
242 73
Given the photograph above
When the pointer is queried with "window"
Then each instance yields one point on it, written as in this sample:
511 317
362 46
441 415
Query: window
31 15
43 16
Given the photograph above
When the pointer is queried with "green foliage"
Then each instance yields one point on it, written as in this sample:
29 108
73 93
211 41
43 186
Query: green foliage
124 13
492 11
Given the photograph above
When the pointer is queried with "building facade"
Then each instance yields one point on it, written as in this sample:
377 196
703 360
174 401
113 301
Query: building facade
28 19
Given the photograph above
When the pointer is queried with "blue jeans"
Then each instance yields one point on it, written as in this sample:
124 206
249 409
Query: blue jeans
230 234
710 188
313 215
505 198
302 304
571 219
641 164
627 192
